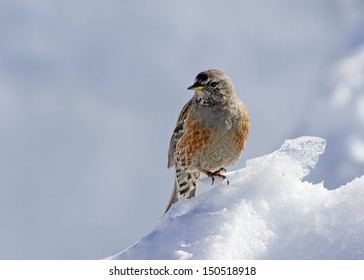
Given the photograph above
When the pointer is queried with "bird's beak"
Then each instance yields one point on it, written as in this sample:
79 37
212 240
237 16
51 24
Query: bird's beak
196 86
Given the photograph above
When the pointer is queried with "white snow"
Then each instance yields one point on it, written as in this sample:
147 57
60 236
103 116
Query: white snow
267 212
356 148
338 116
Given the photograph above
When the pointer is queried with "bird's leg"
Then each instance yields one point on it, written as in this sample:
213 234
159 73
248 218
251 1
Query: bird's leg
214 174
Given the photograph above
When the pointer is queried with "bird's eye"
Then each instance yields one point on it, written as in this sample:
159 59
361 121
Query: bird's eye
213 84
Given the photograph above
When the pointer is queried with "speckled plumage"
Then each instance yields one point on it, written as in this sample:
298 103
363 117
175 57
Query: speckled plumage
210 134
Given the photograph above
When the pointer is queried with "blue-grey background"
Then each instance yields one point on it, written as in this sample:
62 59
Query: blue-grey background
90 92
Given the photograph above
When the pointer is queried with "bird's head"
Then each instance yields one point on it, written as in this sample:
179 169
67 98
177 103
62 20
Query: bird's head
212 87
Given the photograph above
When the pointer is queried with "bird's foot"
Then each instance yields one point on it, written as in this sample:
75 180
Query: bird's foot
214 174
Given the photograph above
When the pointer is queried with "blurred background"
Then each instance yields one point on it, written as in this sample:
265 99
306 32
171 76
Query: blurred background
90 92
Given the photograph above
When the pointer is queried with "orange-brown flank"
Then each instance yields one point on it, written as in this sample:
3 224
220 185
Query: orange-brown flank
242 135
195 138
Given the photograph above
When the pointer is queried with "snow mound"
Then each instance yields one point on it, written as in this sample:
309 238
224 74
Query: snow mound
267 212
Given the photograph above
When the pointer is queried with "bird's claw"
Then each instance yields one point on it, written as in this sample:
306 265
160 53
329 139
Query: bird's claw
216 173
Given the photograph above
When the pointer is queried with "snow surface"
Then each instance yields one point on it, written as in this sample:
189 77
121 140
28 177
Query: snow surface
267 212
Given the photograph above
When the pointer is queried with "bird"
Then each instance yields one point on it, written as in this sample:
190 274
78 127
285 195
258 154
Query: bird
210 134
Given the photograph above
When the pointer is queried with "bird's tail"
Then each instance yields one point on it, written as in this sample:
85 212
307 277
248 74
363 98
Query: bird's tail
185 185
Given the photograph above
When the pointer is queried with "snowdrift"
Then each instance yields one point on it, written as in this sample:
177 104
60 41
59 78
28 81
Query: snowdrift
267 212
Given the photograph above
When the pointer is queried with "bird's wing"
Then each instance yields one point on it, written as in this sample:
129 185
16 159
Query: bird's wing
177 133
